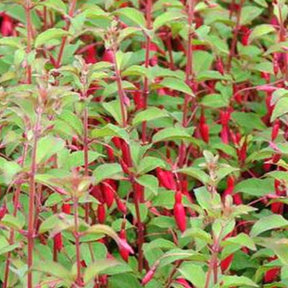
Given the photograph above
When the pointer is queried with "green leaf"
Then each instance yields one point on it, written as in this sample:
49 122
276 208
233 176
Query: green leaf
178 85
193 273
106 230
11 222
54 269
149 163
97 268
267 223
167 17
255 187
152 113
259 31
47 147
171 133
241 239
280 108
150 182
105 171
232 281
134 15
48 35
195 173
110 130
56 5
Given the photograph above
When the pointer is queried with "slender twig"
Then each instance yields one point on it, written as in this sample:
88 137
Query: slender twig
235 36
15 210
64 39
77 241
31 220
145 92
28 7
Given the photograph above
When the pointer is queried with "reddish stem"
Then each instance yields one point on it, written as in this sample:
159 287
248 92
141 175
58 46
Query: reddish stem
28 7
147 58
31 220
235 36
77 241
64 39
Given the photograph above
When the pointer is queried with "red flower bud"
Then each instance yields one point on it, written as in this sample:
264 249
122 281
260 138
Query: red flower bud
123 252
275 130
108 187
117 142
272 274
225 263
166 179
7 26
204 131
3 211
110 153
108 56
179 213
149 275
66 208
58 244
101 213
220 66
121 205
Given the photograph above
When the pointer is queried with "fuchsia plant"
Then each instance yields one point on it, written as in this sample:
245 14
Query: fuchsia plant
143 143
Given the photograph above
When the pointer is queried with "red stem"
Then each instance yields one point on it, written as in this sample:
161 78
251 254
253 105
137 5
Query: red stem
31 220
120 90
147 58
235 36
64 39
12 232
77 241
28 7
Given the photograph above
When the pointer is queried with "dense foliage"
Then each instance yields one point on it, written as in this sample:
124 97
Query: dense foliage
143 143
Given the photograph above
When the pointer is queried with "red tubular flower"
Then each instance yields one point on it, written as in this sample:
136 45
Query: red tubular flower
108 56
204 131
225 263
245 35
184 283
179 212
110 153
117 142
121 205
242 152
108 187
101 213
7 25
220 66
275 130
139 190
66 208
203 128
166 179
272 274
138 100
3 211
123 252
58 244
225 135
90 55
230 186
149 275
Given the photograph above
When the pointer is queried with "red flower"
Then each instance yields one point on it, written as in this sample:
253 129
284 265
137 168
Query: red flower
58 244
179 212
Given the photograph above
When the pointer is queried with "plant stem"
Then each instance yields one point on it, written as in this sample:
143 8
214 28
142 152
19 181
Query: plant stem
189 76
64 39
85 148
145 92
120 90
77 241
28 7
235 36
189 56
31 220
12 231
282 38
